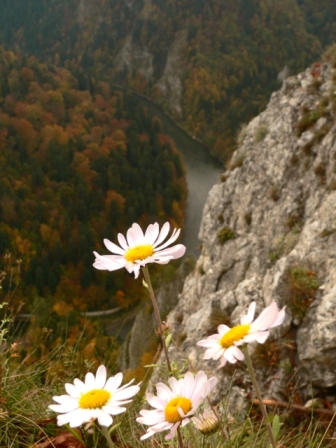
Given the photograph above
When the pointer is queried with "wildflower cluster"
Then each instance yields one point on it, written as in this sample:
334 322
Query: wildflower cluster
175 404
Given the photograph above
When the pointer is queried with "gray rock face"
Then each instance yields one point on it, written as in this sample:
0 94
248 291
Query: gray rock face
135 57
170 83
269 233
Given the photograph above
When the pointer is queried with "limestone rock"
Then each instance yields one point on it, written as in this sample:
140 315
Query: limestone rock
269 233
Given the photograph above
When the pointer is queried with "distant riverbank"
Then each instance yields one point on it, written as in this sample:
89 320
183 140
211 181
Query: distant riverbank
203 171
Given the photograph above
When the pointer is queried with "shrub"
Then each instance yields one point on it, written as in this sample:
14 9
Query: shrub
225 234
236 161
302 284
260 133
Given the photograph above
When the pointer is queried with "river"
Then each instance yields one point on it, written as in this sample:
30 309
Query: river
203 171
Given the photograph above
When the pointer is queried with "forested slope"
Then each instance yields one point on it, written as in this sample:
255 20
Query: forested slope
77 167
227 55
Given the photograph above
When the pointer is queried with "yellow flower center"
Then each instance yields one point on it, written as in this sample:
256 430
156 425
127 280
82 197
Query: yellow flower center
172 414
94 399
234 335
139 253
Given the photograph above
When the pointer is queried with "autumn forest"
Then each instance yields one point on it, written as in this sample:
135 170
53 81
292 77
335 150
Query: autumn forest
81 156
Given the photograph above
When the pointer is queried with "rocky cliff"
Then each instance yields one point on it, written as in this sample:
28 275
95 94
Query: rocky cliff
269 233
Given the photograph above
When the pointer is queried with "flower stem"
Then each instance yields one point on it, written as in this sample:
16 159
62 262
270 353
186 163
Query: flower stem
193 435
157 314
249 364
107 436
179 438
163 341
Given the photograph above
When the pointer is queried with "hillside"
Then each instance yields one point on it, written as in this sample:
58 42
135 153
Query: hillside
77 166
211 64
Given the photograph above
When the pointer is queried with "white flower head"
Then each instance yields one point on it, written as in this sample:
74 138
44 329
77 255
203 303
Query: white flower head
175 405
96 398
207 423
139 249
224 344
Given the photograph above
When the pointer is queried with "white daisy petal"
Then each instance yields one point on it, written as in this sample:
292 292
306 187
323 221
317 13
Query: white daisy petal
155 402
108 263
101 377
72 390
136 271
250 314
130 238
174 385
95 399
127 393
114 410
139 249
147 435
164 392
213 352
114 382
238 354
123 242
162 234
104 418
113 247
260 336
229 355
90 380
152 233
173 405
173 238
280 318
222 329
64 399
224 344
176 251
80 386
78 417
63 407
266 318
172 432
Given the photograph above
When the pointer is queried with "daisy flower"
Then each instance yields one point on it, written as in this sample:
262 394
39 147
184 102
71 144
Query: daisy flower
175 405
207 423
139 248
96 398
224 344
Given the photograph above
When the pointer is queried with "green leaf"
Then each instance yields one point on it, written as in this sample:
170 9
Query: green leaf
114 427
276 426
168 340
75 434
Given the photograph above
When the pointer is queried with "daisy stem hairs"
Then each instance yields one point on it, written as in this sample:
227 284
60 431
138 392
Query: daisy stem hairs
157 314
257 389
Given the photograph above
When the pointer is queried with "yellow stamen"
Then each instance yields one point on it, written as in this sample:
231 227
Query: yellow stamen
139 253
172 414
234 335
94 399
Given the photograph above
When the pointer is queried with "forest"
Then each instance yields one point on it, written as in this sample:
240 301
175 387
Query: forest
82 159
230 53
77 166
